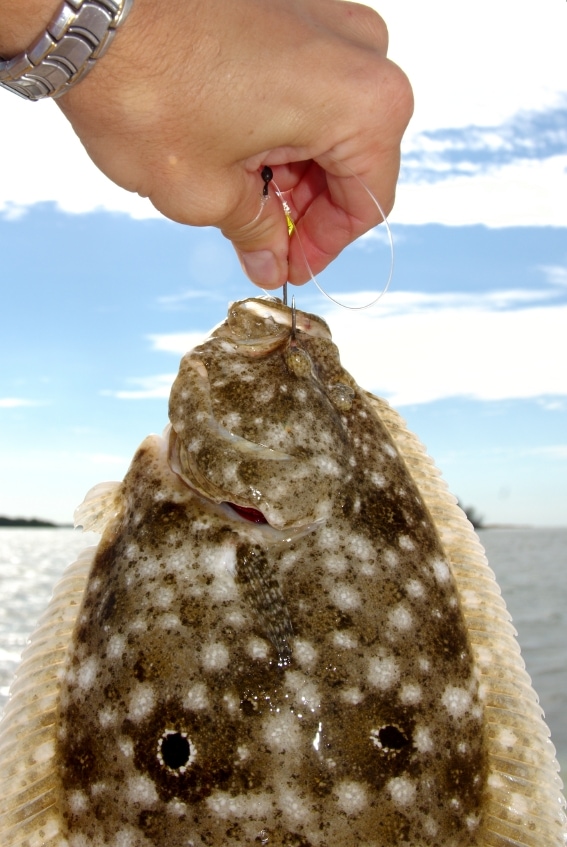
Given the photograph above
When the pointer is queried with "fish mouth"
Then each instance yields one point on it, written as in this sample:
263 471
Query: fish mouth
240 513
247 512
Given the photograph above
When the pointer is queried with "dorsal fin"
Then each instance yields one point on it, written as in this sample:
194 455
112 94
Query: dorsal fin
29 810
101 504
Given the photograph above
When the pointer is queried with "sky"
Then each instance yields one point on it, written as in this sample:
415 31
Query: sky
101 295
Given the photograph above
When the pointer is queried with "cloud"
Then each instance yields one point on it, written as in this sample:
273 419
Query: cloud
178 301
520 66
105 459
526 193
16 402
150 388
467 151
555 274
27 178
158 386
550 451
177 342
418 348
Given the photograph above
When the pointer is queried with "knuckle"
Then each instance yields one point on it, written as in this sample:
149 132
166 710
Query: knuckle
369 26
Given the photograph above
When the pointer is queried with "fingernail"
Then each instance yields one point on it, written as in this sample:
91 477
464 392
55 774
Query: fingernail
261 267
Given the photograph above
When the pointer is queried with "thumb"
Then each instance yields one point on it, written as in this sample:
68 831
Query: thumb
258 230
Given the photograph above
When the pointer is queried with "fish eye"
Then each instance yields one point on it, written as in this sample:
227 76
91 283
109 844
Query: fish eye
389 738
175 751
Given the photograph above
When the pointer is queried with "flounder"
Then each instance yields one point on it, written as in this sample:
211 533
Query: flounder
288 634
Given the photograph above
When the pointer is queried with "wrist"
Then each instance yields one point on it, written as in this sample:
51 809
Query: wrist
21 23
79 33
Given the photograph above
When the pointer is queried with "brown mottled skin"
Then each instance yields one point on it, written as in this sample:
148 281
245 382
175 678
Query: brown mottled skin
305 681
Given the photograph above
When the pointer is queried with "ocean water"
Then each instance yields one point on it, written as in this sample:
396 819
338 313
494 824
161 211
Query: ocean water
530 566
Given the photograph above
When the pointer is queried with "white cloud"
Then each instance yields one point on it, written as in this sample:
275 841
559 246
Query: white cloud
418 348
555 274
551 451
477 65
177 342
526 193
106 459
42 160
158 386
150 388
16 402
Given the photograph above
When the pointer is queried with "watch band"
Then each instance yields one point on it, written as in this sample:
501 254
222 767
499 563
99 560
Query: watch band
77 36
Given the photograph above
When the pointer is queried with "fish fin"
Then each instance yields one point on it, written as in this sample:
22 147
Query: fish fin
525 806
29 782
102 503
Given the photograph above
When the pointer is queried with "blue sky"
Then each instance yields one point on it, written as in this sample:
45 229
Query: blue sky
101 296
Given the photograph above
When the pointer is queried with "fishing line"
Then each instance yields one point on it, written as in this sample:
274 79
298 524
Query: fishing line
267 176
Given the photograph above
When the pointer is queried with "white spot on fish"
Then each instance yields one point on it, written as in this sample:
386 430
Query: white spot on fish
176 808
406 543
400 618
383 673
329 538
351 796
107 717
227 806
410 694
415 589
344 597
126 746
293 807
391 558
163 597
197 698
86 676
214 657
422 739
281 732
142 790
361 547
142 701
335 564
345 640
168 622
257 648
304 653
430 826
354 696
130 837
402 790
116 645
305 691
457 701
441 570
78 802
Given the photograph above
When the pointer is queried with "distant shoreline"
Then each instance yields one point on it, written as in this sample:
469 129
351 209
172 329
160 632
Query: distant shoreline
31 523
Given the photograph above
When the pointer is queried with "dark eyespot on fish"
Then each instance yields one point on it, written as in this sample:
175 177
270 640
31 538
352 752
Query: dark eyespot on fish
288 635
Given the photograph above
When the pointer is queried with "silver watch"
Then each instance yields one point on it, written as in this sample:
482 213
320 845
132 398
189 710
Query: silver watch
77 36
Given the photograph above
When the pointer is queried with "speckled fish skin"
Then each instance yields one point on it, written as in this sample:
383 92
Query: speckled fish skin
307 681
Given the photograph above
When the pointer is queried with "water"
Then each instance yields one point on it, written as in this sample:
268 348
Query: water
530 566
531 569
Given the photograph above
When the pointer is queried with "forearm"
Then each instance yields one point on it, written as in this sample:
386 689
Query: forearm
21 22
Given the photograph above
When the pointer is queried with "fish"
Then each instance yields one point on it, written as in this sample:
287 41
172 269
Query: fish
287 636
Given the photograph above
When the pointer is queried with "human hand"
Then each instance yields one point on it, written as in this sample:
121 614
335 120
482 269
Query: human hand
193 99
